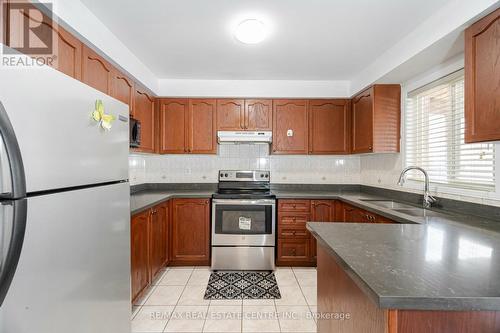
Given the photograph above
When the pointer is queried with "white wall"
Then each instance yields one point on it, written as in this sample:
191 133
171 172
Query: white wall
204 168
254 88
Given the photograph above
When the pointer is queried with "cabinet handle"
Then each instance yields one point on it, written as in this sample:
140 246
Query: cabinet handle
294 233
370 147
294 252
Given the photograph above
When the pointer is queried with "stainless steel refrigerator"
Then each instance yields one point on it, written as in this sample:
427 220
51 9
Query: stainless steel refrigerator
64 207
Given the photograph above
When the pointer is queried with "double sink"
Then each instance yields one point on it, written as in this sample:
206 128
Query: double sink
403 208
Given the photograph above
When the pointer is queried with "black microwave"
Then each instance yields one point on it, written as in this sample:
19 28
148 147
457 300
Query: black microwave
135 133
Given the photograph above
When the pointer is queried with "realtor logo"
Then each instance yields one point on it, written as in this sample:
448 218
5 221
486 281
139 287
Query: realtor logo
29 34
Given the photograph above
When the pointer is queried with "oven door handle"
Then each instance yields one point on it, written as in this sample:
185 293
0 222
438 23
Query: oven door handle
269 202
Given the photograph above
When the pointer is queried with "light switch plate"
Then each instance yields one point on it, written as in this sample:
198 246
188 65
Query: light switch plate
289 132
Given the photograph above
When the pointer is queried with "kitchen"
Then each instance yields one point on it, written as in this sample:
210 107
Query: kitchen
250 166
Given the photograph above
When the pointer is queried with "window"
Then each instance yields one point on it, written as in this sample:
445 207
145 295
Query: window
434 131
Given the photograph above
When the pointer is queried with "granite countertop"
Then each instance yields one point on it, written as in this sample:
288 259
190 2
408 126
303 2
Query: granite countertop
432 266
148 198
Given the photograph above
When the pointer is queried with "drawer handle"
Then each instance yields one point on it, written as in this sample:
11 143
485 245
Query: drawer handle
294 233
294 251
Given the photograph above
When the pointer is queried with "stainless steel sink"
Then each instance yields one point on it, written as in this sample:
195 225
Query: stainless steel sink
418 212
389 204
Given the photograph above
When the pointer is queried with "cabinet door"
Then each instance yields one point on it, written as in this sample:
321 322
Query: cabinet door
353 214
362 122
290 127
190 232
230 114
201 126
329 126
321 211
158 238
96 72
66 47
482 86
122 88
139 246
259 114
144 106
173 129
293 251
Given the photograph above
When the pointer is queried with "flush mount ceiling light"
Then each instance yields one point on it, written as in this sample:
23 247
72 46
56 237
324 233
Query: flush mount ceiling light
250 31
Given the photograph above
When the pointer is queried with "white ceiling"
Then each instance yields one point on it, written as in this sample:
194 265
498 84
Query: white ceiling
309 39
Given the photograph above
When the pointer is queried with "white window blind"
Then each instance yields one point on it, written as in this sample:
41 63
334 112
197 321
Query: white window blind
434 132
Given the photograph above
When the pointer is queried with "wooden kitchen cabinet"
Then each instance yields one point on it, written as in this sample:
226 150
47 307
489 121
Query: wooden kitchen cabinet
244 115
294 241
359 215
482 86
190 239
258 115
159 236
173 126
144 111
321 211
122 88
230 114
96 71
66 48
376 114
290 127
187 126
139 258
202 137
329 126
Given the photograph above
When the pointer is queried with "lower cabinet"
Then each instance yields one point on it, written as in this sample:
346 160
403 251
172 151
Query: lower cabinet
139 244
296 246
190 232
359 215
149 246
159 238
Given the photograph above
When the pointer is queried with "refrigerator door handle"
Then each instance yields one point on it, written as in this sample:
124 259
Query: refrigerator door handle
12 156
8 263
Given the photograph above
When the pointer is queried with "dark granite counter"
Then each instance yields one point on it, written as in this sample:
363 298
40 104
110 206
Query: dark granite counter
145 199
431 266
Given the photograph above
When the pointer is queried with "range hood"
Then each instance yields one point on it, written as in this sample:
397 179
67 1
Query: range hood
227 137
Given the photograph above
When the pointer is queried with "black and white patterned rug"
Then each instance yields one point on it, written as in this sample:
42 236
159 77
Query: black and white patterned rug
242 285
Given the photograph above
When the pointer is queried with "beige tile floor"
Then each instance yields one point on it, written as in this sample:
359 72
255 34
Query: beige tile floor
175 303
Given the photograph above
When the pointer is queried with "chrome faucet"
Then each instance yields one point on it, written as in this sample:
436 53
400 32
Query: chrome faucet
428 198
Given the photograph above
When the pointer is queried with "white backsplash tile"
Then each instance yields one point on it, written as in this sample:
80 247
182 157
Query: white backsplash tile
204 168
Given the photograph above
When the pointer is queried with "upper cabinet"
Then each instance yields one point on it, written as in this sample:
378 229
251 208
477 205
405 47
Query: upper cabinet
144 110
376 115
66 48
173 126
122 88
201 126
258 115
482 84
230 114
96 71
290 127
249 115
187 126
329 126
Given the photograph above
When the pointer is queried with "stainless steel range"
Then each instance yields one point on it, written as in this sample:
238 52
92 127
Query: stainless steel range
243 222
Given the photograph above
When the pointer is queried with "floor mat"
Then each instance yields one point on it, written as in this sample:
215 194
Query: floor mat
242 285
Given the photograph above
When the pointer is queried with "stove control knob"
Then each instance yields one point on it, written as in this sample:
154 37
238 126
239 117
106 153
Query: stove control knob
267 176
222 175
226 175
261 175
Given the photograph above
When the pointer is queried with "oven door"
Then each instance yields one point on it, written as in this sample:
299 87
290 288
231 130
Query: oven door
243 222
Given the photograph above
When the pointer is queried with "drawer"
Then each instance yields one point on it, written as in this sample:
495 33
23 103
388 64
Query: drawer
292 232
293 250
303 206
293 219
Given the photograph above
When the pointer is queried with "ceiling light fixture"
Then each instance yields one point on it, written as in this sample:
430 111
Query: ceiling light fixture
251 31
